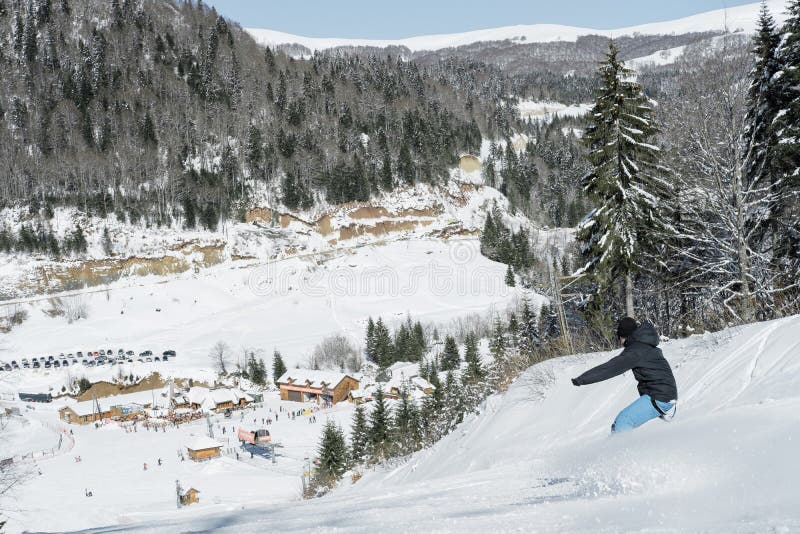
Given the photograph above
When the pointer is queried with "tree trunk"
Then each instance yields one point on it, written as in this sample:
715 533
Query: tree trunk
629 295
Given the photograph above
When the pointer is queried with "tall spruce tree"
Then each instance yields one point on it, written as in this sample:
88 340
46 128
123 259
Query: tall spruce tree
787 153
359 435
333 456
626 181
379 428
406 429
474 371
450 357
278 367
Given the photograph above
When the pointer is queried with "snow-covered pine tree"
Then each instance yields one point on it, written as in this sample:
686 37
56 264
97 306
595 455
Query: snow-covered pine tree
333 456
379 428
787 154
474 372
450 358
359 435
510 280
278 367
627 182
370 341
763 99
406 429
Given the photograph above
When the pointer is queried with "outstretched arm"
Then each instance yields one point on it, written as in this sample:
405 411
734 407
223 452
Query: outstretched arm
613 367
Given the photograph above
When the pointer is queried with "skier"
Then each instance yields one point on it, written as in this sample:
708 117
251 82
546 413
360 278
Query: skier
159 461
145 466
657 389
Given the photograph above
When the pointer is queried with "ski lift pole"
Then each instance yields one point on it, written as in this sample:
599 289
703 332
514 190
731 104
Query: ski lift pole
562 316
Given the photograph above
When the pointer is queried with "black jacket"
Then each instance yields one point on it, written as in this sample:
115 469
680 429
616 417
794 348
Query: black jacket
649 366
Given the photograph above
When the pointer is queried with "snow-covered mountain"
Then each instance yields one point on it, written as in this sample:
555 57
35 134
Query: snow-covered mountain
539 458
735 19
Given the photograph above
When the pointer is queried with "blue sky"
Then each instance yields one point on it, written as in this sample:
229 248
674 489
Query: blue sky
394 19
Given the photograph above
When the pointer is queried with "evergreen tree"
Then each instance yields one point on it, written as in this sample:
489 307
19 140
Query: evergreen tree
379 428
786 210
278 367
500 363
370 342
384 350
108 246
149 131
359 436
333 456
626 181
406 428
432 412
450 356
510 280
474 371
78 240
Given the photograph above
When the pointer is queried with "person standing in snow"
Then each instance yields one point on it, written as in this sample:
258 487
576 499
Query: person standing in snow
658 392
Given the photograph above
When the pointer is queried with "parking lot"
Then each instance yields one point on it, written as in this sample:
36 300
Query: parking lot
90 358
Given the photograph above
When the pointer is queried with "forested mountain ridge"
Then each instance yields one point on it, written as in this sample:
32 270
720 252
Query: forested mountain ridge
164 112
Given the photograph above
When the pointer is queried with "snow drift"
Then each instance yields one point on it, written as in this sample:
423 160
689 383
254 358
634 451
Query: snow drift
540 458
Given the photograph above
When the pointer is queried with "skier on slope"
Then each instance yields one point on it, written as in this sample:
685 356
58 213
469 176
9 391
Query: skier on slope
657 389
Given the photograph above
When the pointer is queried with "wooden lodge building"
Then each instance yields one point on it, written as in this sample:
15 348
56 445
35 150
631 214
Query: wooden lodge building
305 385
120 407
204 448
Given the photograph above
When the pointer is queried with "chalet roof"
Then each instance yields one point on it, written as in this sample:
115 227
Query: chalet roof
314 379
142 398
203 442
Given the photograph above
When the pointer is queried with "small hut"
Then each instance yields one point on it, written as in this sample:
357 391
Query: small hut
204 448
190 496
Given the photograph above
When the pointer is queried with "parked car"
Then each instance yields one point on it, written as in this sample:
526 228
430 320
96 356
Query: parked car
164 358
36 365
120 352
91 363
65 363
146 353
79 354
169 353
129 353
50 358
130 360
74 361
26 365
56 363
157 359
84 361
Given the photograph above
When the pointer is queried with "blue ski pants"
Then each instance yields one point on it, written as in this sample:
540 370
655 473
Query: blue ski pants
638 413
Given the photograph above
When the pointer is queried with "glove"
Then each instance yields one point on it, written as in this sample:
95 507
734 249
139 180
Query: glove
575 382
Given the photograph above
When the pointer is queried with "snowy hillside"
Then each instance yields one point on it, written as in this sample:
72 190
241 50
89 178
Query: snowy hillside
539 458
288 304
739 18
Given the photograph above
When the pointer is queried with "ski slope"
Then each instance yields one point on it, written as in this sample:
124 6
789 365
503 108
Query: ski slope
290 304
540 458
739 18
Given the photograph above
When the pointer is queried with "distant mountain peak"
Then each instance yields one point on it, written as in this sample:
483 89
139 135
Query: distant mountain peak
733 19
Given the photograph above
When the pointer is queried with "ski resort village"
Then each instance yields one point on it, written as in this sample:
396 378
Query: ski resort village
427 267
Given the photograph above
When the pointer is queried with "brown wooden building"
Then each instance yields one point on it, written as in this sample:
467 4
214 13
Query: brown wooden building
305 385
204 448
